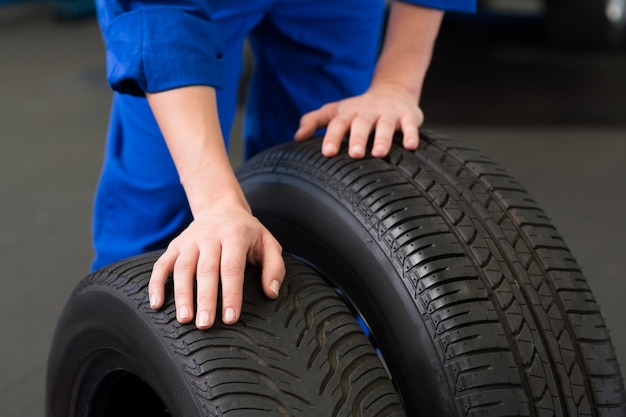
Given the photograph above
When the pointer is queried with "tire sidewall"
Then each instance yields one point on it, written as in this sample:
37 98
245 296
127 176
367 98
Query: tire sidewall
100 333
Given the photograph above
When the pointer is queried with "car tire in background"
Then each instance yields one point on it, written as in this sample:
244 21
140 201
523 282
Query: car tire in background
303 354
470 294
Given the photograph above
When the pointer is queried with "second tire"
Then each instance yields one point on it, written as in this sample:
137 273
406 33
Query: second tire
471 295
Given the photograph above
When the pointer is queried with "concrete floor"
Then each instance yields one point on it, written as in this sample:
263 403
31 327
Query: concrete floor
556 120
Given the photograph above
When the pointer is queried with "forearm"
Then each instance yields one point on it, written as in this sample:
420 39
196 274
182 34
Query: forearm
189 122
223 236
408 46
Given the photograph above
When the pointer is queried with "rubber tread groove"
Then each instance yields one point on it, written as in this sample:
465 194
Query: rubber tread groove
507 208
250 366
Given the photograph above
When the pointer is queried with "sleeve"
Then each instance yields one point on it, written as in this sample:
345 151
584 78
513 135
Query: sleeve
466 6
152 46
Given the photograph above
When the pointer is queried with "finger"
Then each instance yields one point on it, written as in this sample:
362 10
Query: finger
359 134
336 131
161 271
410 134
314 120
232 267
385 128
273 268
184 276
207 280
309 123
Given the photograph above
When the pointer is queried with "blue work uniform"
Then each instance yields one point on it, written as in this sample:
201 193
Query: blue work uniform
307 53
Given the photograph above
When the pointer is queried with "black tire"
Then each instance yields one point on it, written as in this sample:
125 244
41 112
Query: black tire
474 300
586 24
301 355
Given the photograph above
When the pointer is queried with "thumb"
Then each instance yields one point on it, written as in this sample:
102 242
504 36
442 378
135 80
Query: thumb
314 120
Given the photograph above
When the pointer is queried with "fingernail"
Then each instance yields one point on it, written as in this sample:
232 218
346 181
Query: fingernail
203 319
357 150
153 300
229 315
183 313
275 286
328 149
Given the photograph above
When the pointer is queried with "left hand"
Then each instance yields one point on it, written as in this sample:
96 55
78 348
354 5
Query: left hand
385 108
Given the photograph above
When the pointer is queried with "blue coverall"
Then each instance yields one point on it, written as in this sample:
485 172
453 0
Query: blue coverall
307 53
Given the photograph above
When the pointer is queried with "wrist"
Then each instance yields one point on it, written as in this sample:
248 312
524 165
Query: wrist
411 89
221 194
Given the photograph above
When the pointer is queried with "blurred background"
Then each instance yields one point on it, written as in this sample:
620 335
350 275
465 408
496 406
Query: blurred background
541 91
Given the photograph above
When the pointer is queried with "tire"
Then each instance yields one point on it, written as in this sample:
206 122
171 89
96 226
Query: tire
587 24
474 300
303 354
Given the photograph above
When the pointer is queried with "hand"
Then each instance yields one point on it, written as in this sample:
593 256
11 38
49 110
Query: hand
384 108
217 243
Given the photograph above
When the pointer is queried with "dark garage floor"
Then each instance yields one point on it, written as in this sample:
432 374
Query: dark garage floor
555 119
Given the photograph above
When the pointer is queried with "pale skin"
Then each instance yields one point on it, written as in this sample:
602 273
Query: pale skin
224 235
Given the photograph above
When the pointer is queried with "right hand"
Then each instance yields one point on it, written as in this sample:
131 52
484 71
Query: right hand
217 245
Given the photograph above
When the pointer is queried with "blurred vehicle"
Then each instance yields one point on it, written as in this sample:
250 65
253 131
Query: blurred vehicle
581 24
60 9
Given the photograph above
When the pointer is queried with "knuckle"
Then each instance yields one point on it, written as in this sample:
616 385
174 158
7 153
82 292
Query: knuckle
385 124
182 267
207 269
236 230
182 295
367 118
205 300
339 123
232 295
232 268
162 263
277 246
